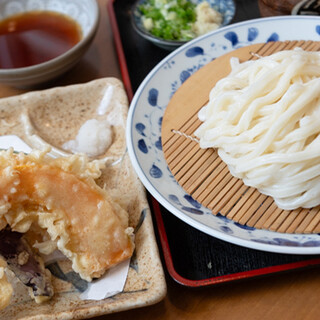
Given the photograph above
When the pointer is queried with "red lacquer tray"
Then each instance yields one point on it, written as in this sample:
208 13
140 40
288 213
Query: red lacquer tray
191 257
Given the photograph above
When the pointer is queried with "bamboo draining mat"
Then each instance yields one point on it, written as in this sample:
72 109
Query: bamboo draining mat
202 173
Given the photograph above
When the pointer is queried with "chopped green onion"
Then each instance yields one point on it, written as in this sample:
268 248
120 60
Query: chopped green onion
170 19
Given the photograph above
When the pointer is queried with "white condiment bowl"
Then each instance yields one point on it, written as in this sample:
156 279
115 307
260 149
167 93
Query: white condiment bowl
84 12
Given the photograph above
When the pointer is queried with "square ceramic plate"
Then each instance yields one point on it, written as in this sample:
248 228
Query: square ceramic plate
52 117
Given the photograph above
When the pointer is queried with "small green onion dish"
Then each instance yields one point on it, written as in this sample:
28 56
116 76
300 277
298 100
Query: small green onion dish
168 23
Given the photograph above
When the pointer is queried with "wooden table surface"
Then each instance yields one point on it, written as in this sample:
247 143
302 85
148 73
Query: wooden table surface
292 295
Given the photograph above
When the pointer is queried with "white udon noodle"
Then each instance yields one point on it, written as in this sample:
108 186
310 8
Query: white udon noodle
264 120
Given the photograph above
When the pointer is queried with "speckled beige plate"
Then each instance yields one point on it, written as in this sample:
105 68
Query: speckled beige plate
54 116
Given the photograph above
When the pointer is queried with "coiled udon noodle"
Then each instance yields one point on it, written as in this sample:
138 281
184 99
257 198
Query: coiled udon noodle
264 120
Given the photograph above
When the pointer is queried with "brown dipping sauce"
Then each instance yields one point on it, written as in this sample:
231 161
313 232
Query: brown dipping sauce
34 37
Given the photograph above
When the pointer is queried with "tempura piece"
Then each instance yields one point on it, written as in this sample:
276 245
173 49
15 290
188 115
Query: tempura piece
5 287
60 198
26 264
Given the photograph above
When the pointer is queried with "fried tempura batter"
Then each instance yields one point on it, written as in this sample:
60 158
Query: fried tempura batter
61 197
5 287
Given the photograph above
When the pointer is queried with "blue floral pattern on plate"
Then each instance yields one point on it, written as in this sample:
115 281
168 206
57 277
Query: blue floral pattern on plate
145 119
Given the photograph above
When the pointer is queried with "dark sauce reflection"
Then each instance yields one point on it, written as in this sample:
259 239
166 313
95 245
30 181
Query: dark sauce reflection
35 37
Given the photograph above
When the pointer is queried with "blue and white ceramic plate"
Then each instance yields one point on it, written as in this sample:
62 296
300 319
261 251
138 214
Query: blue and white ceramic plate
144 128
